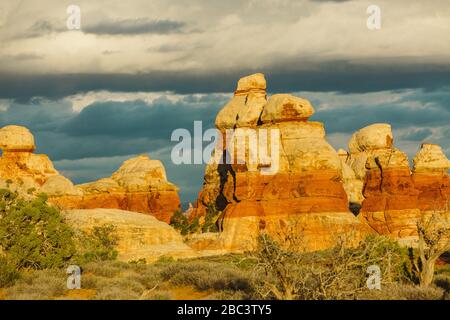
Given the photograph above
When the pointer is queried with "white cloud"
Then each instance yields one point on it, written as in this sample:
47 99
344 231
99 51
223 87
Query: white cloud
4 104
232 34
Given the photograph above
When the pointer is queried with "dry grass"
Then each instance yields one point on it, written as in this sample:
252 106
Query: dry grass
221 278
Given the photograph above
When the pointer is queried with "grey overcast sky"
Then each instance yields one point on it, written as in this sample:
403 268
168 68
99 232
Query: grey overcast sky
138 69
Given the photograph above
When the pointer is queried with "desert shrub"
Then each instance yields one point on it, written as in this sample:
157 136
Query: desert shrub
8 274
97 245
187 225
204 276
443 282
107 269
99 274
338 273
210 223
119 289
434 241
149 280
183 224
32 233
387 254
164 260
42 284
402 292
141 261
89 281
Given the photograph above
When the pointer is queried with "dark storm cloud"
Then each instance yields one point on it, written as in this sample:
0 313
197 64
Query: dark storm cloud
134 27
110 128
338 76
398 115
92 143
137 118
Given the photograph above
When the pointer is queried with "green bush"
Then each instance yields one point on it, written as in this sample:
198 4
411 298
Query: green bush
8 274
182 223
96 245
32 233
386 253
210 224
187 226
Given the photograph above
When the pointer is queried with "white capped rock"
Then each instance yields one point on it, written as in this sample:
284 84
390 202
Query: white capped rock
431 158
16 138
375 136
286 107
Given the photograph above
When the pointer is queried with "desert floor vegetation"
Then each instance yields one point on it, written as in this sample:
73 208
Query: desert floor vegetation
33 265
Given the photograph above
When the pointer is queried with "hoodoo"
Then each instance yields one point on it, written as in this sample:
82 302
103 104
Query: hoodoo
394 198
306 192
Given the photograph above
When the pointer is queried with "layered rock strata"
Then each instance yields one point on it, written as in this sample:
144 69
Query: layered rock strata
303 189
140 236
140 184
394 198
431 179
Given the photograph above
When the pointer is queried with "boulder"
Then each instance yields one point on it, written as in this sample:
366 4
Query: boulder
16 138
245 107
285 107
140 236
20 169
58 185
373 137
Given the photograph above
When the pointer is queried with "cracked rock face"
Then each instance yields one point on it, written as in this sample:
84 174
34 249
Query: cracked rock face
430 177
394 198
385 189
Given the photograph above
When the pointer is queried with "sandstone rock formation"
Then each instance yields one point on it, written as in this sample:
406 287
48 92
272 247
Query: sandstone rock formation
367 142
306 190
352 185
395 199
140 184
20 169
431 179
140 236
